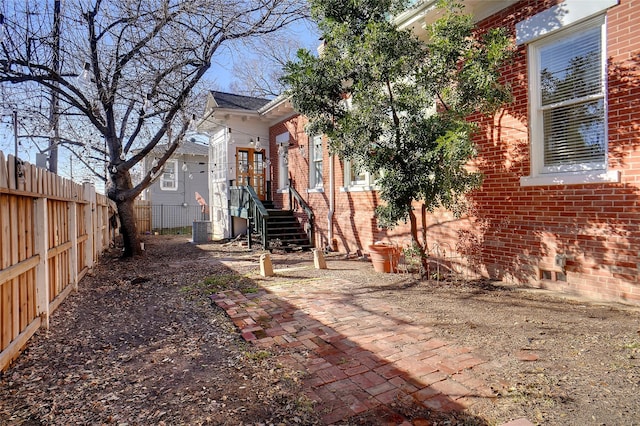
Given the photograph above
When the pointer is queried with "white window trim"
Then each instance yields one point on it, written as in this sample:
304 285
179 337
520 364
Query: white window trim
559 16
584 174
175 177
355 186
575 178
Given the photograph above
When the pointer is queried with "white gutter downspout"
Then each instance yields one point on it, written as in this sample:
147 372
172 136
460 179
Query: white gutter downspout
331 201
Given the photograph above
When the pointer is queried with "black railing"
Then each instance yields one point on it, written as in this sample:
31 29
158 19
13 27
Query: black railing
258 216
244 202
295 196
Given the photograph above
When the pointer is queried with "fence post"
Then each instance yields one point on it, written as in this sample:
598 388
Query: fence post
99 226
41 236
73 237
89 197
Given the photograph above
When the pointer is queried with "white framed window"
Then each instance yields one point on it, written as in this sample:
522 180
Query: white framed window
357 179
568 106
315 163
169 178
282 142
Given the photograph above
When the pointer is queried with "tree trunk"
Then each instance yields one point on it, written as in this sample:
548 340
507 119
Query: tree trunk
414 236
119 192
128 228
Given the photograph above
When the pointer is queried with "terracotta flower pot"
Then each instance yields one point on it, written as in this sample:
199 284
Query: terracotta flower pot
384 257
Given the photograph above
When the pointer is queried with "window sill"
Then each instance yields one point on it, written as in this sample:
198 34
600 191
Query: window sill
358 188
579 178
314 190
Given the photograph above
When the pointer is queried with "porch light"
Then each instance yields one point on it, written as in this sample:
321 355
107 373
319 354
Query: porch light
2 28
84 78
303 153
147 107
184 167
257 146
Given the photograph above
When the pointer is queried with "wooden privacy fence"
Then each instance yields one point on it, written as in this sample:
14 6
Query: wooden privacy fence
142 209
51 232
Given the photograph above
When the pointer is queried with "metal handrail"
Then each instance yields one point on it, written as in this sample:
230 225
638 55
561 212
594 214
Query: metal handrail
259 214
244 202
293 194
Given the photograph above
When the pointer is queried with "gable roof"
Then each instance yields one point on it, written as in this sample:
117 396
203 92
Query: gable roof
240 102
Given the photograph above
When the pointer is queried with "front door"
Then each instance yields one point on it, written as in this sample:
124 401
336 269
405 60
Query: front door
250 169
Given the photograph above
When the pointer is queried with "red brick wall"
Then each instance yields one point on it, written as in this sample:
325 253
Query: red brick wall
519 230
516 231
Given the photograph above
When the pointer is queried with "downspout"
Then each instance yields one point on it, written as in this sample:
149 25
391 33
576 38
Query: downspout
331 201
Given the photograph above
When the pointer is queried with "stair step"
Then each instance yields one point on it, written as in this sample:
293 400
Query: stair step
284 231
280 213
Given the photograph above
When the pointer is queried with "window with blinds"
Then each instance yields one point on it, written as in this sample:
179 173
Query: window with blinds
169 178
571 100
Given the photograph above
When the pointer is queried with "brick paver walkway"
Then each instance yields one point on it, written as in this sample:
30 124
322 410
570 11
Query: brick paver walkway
363 354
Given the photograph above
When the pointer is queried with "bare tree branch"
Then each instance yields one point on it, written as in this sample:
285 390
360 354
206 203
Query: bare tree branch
133 48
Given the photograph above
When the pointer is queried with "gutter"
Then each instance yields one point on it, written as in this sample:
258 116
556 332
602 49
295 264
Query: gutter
414 14
273 104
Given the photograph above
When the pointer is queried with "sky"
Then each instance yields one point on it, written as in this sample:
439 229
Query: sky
221 72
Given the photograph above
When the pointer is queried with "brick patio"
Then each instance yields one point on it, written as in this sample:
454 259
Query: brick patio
362 355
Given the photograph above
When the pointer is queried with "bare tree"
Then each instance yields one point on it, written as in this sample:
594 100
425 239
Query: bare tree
258 72
128 70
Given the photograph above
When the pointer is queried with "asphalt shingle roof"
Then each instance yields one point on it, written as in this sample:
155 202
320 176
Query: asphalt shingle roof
186 147
231 101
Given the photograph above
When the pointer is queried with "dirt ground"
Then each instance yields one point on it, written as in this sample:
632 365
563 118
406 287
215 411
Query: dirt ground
140 343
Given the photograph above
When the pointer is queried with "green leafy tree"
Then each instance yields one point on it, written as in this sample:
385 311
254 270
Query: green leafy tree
398 106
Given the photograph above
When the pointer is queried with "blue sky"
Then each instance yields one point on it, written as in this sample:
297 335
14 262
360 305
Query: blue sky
222 68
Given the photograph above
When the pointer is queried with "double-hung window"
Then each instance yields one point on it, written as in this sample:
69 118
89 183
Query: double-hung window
282 142
568 106
315 163
357 179
169 178
569 100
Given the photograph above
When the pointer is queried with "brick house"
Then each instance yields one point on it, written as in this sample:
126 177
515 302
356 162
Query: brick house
559 205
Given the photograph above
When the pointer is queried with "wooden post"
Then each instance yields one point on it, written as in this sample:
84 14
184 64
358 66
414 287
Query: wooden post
266 267
105 226
73 237
318 259
89 196
42 270
98 225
